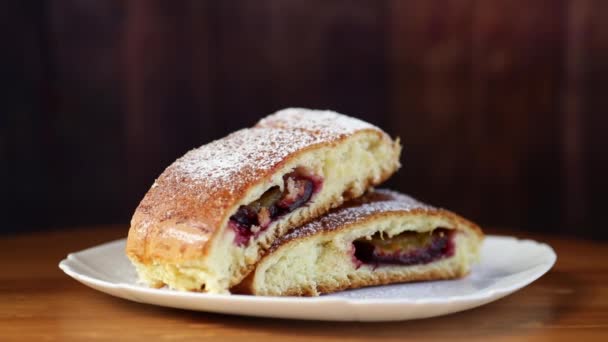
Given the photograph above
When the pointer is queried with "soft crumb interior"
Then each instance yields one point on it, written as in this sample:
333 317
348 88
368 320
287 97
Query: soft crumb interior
347 170
326 260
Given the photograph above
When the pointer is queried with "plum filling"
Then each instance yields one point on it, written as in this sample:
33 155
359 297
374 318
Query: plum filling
251 219
408 248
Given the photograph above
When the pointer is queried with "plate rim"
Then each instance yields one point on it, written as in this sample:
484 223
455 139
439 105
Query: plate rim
491 294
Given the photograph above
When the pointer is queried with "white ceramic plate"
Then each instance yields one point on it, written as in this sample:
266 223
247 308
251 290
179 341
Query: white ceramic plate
506 265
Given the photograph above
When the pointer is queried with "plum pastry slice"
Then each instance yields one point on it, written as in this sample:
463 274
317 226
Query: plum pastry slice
212 214
381 238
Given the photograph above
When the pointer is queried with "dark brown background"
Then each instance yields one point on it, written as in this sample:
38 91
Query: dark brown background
501 104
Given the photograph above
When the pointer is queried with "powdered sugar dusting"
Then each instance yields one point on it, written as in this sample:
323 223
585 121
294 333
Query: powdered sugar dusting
246 156
199 186
376 202
239 158
319 121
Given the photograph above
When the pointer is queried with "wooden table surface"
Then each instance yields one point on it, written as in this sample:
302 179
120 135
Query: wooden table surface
40 303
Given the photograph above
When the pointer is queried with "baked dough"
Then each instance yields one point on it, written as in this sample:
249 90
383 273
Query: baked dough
212 214
382 238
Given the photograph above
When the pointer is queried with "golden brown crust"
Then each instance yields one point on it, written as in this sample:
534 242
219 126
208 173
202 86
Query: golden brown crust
185 207
373 205
379 279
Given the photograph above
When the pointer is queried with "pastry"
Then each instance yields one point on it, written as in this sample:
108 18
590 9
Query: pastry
212 214
382 238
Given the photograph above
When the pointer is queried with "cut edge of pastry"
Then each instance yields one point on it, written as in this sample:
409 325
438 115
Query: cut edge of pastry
324 261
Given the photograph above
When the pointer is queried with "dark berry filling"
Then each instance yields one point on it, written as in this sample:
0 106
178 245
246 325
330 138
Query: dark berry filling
254 218
408 248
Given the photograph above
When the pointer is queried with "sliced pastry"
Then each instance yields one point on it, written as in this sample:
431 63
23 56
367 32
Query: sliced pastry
381 238
212 214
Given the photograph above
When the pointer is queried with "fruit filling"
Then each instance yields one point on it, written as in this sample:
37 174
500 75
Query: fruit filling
254 218
407 248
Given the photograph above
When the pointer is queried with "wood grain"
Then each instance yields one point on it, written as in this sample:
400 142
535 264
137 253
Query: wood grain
40 303
431 98
518 83
595 107
499 103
